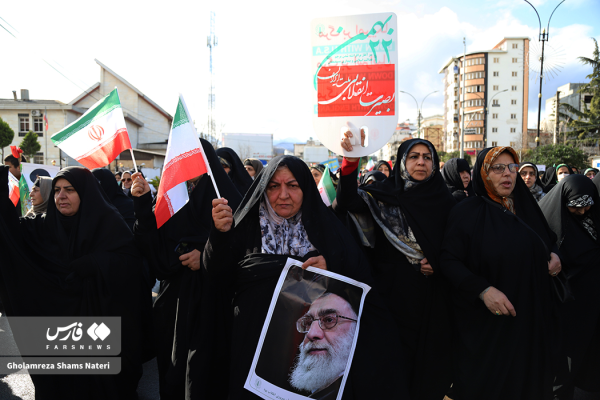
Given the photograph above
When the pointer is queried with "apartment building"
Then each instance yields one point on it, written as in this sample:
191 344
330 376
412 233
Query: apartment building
496 84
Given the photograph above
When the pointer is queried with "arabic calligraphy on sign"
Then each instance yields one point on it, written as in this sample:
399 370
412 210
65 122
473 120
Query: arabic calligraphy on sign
356 90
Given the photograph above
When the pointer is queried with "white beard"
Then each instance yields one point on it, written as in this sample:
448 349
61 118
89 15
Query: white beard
314 372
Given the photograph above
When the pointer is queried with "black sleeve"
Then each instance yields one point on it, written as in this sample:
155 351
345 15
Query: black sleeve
152 242
455 255
347 196
221 255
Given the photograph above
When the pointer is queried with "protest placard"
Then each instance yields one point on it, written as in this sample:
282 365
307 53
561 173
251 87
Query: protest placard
309 336
354 76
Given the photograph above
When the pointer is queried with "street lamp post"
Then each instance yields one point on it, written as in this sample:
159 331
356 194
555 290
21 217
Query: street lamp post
543 37
419 109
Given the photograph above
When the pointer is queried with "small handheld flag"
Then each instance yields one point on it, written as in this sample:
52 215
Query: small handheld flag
98 136
326 188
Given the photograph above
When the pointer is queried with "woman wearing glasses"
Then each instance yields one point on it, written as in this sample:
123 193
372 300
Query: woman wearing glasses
401 222
126 182
283 216
497 255
530 175
573 212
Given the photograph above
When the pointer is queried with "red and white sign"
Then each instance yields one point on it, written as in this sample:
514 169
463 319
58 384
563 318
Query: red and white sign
354 78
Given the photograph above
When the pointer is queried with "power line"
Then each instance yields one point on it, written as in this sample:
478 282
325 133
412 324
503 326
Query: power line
77 85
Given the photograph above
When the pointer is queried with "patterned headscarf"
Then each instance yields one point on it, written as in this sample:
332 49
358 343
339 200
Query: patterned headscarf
490 158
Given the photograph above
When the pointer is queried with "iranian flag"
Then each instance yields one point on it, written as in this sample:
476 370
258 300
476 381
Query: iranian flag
326 188
99 136
13 189
185 159
370 164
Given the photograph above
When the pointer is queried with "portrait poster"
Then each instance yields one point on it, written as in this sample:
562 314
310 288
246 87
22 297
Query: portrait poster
309 336
354 76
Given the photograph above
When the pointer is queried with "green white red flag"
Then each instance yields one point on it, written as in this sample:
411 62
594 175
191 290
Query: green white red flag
98 136
13 189
326 188
184 160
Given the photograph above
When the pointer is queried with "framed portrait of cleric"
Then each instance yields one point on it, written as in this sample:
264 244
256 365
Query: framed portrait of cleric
308 339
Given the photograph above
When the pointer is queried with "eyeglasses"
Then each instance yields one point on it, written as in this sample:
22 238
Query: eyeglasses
525 173
127 179
499 168
326 322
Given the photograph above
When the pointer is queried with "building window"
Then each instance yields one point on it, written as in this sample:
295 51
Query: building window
513 144
495 87
38 126
38 158
494 116
514 73
515 46
514 88
513 102
513 130
495 102
496 73
455 94
496 60
494 130
513 116
23 124
494 144
515 60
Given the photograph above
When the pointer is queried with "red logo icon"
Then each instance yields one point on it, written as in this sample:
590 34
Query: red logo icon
96 132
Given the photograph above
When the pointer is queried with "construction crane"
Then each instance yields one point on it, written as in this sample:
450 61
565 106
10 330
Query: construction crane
211 41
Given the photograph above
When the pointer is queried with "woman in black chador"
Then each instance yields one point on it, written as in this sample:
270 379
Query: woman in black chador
572 210
115 194
237 172
184 316
497 255
78 259
402 220
283 216
457 175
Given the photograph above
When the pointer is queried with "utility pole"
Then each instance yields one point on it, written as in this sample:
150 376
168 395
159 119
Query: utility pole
211 41
556 107
461 103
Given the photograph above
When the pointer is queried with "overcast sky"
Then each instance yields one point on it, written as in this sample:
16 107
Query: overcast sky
262 61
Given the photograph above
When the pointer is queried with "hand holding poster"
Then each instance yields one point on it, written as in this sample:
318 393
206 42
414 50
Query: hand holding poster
309 336
354 79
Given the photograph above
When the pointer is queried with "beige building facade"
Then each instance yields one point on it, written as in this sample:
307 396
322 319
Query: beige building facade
495 100
147 123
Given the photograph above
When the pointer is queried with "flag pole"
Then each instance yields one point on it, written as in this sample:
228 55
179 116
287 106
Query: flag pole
130 150
45 135
208 170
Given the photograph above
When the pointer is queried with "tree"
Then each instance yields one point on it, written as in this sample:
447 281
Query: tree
6 135
554 154
30 145
455 154
587 124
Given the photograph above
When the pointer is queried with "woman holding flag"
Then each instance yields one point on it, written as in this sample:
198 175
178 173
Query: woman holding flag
185 299
282 216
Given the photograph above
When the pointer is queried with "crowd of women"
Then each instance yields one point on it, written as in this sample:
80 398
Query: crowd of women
483 280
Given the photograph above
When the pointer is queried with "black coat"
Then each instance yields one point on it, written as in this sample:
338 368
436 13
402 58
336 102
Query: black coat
422 314
501 357
82 265
184 303
234 259
580 256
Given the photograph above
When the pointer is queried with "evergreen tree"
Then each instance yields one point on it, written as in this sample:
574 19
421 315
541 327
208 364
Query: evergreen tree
554 154
6 135
587 124
30 145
